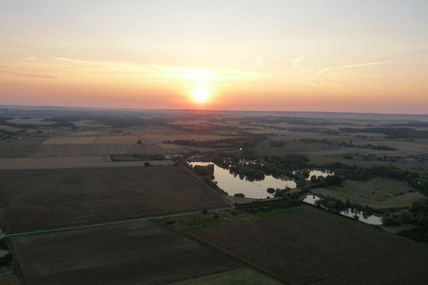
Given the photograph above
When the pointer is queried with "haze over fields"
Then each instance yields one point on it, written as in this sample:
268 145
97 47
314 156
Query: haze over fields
359 56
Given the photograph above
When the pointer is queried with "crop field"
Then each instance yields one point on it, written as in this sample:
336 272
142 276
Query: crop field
90 124
125 254
377 193
20 148
240 276
72 162
69 140
97 149
30 121
172 148
305 245
117 140
33 199
171 137
9 280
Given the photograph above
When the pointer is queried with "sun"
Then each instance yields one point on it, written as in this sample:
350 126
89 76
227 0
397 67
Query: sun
201 94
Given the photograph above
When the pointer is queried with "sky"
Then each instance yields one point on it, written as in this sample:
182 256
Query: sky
306 55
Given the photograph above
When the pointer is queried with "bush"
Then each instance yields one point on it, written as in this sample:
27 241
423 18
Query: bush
390 220
270 190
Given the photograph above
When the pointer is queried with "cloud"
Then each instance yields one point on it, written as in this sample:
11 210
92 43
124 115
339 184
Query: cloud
154 72
25 74
295 62
260 61
326 70
31 58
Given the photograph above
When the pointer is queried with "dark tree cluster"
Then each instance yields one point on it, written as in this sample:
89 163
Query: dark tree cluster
348 144
336 205
403 133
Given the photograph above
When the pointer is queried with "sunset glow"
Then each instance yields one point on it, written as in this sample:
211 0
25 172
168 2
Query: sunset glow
200 95
342 56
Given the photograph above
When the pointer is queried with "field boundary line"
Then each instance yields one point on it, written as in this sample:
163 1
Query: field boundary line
103 224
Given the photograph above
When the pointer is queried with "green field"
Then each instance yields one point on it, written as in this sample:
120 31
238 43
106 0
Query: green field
377 193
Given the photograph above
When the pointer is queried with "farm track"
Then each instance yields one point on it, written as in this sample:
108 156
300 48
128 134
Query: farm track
103 224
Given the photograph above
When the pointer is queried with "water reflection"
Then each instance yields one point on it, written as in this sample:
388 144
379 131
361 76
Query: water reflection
311 199
233 184
320 173
352 213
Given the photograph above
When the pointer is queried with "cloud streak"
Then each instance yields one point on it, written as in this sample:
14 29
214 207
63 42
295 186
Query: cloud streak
350 66
26 74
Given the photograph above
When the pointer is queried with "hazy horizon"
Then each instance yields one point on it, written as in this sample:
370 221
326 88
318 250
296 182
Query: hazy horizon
71 108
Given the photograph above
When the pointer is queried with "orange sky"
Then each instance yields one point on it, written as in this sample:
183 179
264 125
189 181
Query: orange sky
278 55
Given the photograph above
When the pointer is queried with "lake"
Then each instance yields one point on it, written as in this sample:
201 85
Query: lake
233 184
362 217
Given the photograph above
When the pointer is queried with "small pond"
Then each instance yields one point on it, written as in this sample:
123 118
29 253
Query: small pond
352 213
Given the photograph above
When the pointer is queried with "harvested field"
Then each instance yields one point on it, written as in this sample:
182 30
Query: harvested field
377 193
71 162
159 138
20 148
117 140
69 140
131 253
240 276
90 124
305 245
173 148
9 280
34 199
97 149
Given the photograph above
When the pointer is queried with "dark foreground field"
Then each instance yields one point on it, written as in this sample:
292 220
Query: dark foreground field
33 199
305 245
131 253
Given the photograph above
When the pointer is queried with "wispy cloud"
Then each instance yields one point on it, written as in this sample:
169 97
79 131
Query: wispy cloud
326 70
31 58
295 62
25 74
260 61
154 72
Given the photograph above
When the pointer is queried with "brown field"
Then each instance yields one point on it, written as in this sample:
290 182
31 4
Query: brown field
117 140
90 124
20 148
305 245
97 149
125 254
173 147
240 276
71 162
377 193
9 280
159 138
33 199
69 140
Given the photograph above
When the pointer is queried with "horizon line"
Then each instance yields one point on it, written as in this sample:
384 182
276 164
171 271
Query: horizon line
201 109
